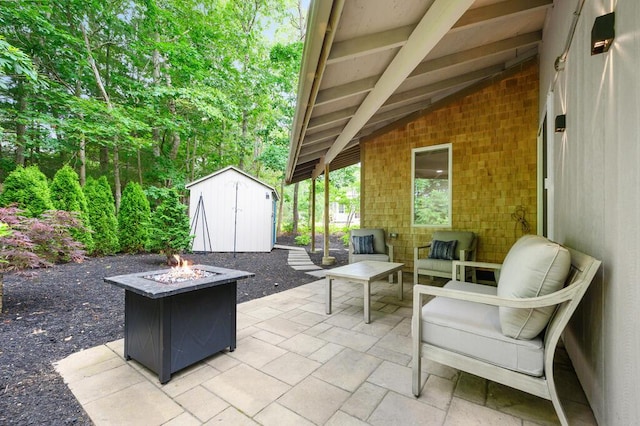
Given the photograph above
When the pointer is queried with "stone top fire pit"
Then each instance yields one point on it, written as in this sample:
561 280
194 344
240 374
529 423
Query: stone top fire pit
151 283
176 317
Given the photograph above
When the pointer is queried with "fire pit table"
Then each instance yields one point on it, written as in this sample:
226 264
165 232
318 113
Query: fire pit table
170 325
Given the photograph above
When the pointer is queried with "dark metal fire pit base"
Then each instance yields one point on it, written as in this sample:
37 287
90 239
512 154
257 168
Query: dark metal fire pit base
171 326
169 334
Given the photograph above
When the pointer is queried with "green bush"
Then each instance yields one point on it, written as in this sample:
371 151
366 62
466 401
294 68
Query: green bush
169 231
133 219
67 195
303 240
28 189
102 216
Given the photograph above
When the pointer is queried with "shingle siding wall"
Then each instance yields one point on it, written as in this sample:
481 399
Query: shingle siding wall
493 134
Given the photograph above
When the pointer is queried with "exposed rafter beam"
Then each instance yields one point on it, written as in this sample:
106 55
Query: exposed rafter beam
346 90
459 58
483 51
423 91
439 19
330 118
315 155
324 135
482 14
319 141
317 147
369 44
396 37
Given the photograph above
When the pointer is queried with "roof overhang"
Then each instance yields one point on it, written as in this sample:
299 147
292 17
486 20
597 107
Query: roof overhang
368 65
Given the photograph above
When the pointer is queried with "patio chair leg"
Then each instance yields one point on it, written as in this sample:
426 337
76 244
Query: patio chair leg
555 400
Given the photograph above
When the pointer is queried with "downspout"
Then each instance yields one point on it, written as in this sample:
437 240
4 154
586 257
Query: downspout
562 59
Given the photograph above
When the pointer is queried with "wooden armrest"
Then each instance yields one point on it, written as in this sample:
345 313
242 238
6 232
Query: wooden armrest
416 250
425 246
552 299
474 264
390 249
456 264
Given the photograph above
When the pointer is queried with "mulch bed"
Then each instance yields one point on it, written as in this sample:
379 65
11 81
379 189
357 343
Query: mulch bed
69 307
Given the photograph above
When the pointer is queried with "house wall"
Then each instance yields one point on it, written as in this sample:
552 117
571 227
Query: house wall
493 136
597 195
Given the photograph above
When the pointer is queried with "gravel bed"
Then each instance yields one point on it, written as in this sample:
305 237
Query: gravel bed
67 308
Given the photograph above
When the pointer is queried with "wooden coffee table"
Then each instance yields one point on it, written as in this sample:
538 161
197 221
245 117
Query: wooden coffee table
364 272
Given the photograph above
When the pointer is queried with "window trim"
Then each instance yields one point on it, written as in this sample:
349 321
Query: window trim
414 151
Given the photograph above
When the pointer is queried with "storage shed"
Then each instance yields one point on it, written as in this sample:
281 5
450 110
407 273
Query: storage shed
232 211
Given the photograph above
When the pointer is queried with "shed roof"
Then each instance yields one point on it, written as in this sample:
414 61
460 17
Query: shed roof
371 65
226 169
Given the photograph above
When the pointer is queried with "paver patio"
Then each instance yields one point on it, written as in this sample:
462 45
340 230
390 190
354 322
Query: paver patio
295 365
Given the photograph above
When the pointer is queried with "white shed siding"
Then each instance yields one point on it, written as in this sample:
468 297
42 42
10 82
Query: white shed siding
239 213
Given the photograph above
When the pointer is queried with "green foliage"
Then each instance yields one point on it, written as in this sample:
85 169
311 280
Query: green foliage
431 201
102 216
67 195
169 232
303 240
192 87
133 219
28 189
15 62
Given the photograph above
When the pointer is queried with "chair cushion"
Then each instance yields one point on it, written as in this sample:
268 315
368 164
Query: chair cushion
464 238
360 257
533 267
379 245
439 265
443 249
362 245
473 329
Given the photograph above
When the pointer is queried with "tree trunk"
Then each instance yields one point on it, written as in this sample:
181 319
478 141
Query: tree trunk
243 138
21 127
107 100
104 160
82 153
116 177
155 57
82 156
1 291
139 167
294 229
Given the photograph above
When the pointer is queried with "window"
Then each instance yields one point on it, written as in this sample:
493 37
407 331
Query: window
431 172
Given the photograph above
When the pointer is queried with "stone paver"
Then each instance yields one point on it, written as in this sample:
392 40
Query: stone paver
295 365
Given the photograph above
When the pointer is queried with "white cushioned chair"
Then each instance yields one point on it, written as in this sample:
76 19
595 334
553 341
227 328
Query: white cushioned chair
439 263
379 249
506 334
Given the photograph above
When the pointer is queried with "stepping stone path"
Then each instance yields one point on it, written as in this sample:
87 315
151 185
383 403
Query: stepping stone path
299 260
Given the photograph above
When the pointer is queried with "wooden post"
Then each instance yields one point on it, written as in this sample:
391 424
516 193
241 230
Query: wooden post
326 259
313 215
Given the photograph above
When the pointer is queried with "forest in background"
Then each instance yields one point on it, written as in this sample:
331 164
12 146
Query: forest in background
155 92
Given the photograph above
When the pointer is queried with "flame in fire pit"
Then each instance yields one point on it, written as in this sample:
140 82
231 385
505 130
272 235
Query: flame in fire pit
180 273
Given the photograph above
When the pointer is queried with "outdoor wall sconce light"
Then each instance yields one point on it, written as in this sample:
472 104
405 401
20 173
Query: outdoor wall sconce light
602 33
561 123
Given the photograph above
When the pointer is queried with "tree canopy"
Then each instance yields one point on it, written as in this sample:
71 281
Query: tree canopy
159 92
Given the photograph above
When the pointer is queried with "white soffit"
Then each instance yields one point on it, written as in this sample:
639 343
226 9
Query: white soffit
369 63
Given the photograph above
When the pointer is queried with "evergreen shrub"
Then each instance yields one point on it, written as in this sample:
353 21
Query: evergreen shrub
169 232
67 195
101 210
133 219
28 189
